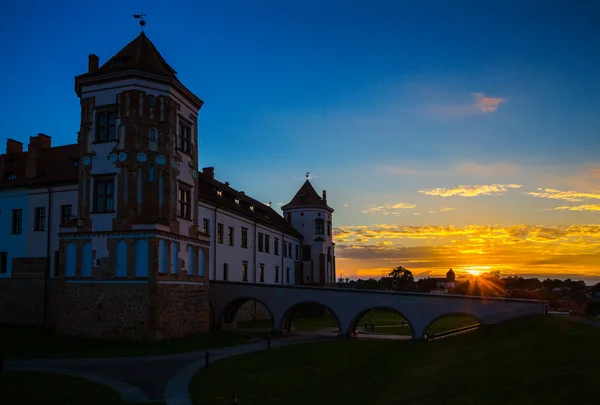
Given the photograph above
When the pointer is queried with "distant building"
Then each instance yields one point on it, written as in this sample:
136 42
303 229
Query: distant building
445 284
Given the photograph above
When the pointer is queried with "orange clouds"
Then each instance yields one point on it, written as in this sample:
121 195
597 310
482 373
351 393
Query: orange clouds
390 209
588 207
470 191
563 195
487 104
518 248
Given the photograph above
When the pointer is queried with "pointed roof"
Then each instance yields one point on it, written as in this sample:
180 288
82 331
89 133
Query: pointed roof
139 54
307 196
136 58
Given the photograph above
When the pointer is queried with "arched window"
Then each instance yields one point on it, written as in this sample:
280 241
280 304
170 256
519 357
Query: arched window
153 134
121 270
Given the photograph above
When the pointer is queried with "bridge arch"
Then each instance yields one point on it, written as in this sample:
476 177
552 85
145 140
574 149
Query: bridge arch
230 310
458 323
287 320
354 323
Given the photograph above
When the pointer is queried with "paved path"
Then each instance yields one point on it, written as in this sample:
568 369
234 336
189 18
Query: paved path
150 378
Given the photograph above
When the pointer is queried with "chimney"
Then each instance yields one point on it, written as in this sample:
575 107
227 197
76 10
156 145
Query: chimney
93 63
209 172
13 146
325 196
226 184
34 152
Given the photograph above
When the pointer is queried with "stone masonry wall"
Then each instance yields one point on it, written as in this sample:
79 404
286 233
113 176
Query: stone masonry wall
182 309
252 311
105 311
22 296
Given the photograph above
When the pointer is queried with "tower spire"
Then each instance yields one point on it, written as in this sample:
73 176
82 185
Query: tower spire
141 18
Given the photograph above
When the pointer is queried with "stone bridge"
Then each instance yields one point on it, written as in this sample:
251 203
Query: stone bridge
348 305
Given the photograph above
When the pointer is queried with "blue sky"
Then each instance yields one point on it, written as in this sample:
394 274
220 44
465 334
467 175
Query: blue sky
377 99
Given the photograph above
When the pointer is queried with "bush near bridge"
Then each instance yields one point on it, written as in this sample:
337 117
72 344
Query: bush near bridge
545 360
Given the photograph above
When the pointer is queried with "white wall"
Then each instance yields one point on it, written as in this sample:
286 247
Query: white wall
32 243
235 255
304 221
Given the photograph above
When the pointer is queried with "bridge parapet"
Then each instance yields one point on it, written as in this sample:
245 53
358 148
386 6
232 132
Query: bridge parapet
420 310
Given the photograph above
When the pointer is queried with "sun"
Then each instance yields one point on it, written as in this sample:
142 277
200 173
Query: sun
475 273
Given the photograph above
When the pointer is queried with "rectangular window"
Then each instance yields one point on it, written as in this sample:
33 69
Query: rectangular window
205 225
290 250
328 228
297 252
3 262
66 212
151 173
225 272
244 271
220 233
17 221
184 138
262 273
230 236
276 247
319 227
244 237
267 243
40 219
260 242
287 275
185 203
106 126
104 194
277 274
285 248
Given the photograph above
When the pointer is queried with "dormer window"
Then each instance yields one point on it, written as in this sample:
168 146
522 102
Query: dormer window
237 200
252 208
219 193
152 134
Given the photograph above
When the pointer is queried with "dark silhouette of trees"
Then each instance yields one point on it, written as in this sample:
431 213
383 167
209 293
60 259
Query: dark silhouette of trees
401 278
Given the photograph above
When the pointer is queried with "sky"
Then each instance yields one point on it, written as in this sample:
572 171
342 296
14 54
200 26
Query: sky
448 134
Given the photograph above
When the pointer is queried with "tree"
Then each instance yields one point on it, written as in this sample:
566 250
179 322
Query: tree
401 277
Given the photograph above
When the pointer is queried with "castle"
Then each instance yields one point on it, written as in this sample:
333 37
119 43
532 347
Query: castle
118 235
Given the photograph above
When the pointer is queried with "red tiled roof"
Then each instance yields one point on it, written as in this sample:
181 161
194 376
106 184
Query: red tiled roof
139 54
307 196
263 214
56 165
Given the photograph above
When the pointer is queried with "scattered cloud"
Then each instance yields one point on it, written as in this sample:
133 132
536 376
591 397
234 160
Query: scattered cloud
572 196
279 203
446 209
389 209
346 205
487 104
479 104
588 207
416 213
471 191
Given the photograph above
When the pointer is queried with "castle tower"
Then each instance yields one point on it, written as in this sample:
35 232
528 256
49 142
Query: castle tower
134 260
310 215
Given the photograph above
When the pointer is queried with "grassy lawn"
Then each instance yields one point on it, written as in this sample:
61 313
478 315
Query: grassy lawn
388 322
544 360
32 342
32 387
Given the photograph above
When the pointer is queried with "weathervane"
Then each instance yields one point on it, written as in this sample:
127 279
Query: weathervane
141 17
307 174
